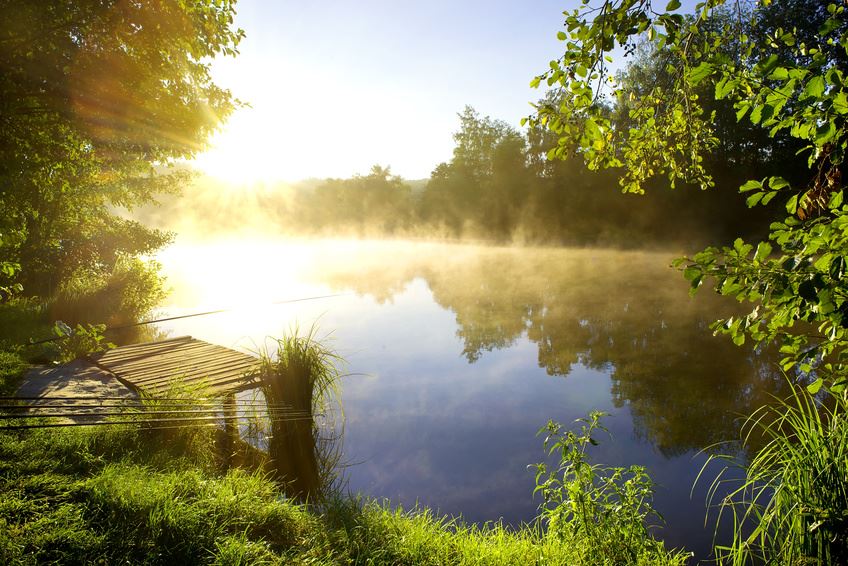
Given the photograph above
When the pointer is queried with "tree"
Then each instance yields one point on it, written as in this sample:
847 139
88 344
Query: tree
99 100
788 81
484 183
364 204
782 67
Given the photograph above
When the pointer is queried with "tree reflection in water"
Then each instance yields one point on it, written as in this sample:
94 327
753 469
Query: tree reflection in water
625 313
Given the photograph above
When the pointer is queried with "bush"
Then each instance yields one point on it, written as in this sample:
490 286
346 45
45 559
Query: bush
124 296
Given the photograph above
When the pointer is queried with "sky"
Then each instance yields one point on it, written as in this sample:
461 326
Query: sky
335 86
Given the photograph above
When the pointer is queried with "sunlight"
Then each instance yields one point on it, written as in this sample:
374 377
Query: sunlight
264 274
243 151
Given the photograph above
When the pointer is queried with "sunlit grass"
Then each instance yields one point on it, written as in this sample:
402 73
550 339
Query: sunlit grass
792 507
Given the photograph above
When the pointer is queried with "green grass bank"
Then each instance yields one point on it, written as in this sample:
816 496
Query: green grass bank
123 494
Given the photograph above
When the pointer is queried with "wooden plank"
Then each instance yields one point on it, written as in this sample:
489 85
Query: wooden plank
153 366
189 363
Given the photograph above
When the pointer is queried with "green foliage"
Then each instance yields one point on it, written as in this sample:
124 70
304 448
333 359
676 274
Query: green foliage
98 101
123 495
608 506
121 297
124 295
12 368
792 507
786 80
81 341
781 66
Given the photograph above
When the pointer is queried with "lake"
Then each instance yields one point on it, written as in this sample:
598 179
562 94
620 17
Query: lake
459 354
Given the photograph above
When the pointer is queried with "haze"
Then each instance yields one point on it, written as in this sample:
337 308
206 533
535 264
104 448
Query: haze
335 87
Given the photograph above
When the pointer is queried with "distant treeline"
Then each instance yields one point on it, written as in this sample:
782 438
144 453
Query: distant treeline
499 186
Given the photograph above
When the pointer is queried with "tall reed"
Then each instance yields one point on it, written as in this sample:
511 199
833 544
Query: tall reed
792 506
302 374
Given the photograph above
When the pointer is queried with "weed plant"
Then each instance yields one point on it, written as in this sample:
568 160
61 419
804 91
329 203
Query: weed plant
73 343
792 507
610 507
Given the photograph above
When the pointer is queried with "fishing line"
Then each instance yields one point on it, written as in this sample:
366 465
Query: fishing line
218 311
244 413
143 422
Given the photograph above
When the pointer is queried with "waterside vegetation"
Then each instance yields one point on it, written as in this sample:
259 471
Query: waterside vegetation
148 495
777 95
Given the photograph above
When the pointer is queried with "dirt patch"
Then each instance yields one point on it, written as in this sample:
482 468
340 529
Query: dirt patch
79 389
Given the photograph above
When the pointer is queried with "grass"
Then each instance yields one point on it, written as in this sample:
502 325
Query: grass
792 507
12 368
301 373
112 496
133 494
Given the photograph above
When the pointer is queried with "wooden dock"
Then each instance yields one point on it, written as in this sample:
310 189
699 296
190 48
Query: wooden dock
153 367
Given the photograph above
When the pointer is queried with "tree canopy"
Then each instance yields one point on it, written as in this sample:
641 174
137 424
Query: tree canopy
99 99
781 68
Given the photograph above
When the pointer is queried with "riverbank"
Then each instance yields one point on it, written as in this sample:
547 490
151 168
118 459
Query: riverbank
120 494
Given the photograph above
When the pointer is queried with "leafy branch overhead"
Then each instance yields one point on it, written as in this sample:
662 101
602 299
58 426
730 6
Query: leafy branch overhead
780 67
98 102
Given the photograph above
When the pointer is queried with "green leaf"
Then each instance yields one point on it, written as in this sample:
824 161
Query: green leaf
836 200
814 387
837 267
767 198
825 132
672 6
779 74
690 273
750 186
757 114
724 87
777 183
792 205
754 199
840 102
814 87
763 251
700 72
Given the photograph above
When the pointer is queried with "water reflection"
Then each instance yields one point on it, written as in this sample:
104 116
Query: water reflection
625 314
461 353
291 443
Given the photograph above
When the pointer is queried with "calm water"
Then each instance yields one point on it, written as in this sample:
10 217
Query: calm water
461 353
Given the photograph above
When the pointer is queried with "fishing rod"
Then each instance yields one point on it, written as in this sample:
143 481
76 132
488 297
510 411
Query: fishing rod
243 413
57 404
135 400
207 313
142 422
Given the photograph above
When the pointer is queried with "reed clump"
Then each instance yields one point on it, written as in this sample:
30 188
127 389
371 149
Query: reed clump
792 506
301 373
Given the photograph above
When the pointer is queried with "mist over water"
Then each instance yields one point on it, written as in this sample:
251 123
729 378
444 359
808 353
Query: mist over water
460 353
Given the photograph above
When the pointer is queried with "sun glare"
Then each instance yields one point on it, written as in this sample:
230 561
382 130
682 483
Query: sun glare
243 152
